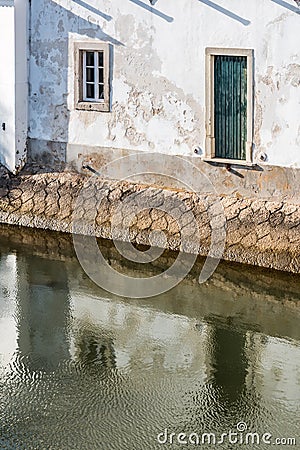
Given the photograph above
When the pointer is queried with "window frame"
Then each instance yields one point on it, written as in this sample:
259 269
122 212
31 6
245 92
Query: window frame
210 54
81 101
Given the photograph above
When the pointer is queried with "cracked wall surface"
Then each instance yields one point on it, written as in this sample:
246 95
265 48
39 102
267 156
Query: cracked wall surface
158 76
258 232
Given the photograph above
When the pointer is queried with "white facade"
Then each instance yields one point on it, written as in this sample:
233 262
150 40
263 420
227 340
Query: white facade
157 76
13 83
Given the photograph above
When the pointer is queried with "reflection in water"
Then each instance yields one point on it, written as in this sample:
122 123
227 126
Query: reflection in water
81 369
43 311
94 349
229 362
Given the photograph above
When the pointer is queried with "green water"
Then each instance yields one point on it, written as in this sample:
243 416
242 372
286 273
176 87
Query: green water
83 369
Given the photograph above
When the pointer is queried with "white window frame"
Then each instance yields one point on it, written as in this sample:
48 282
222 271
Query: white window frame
209 102
81 100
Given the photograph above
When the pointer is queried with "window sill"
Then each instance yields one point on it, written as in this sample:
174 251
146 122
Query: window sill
226 161
93 106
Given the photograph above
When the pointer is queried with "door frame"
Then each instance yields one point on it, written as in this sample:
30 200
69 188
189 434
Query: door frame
210 53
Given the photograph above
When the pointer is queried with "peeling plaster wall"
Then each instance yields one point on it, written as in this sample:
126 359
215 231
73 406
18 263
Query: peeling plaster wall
158 74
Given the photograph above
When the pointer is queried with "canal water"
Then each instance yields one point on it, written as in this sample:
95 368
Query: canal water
207 366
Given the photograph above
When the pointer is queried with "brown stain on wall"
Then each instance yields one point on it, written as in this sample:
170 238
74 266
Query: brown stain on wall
276 129
258 120
293 75
268 79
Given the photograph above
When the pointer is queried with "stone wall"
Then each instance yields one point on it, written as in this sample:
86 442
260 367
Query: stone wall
258 232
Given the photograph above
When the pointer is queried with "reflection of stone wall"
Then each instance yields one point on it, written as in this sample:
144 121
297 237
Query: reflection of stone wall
259 232
265 300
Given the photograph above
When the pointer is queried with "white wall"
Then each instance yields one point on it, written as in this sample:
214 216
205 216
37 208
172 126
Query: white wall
158 73
7 86
21 80
13 83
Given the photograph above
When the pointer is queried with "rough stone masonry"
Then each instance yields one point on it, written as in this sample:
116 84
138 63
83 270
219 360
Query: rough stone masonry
258 232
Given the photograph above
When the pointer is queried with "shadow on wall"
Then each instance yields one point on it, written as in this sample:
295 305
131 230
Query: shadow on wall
93 10
5 130
154 11
226 12
49 67
287 5
49 113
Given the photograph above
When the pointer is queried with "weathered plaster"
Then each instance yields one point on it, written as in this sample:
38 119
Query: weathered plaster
158 76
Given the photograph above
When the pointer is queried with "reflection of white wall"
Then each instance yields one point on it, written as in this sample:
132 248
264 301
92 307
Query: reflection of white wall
33 312
274 368
280 363
43 312
8 294
141 334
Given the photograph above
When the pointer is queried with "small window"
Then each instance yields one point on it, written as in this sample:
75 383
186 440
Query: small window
229 101
92 89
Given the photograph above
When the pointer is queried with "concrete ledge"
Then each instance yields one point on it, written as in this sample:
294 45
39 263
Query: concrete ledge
258 232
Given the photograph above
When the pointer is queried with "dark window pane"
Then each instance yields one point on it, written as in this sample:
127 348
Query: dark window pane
90 58
90 91
101 75
90 75
101 92
100 59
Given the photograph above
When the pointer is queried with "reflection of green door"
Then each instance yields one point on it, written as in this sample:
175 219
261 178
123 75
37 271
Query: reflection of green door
230 106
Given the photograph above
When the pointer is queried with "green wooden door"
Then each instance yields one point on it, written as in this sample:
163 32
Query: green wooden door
230 106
